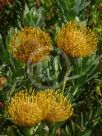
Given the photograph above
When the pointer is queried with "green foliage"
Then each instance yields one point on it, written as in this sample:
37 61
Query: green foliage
70 9
33 16
95 19
82 77
11 15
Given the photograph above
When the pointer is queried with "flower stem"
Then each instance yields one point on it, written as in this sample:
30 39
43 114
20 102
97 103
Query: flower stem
27 131
3 43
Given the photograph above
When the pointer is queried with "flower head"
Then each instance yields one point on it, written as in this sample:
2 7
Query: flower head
55 106
30 45
3 81
26 110
23 109
77 40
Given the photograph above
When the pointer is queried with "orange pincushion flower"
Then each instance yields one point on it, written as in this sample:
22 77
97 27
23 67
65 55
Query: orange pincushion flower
77 40
55 106
27 110
23 109
31 45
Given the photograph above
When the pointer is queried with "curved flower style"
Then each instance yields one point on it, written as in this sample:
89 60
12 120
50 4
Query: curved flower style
55 106
31 45
23 109
77 40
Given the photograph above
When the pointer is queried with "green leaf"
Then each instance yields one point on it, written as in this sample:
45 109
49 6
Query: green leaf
88 133
84 5
78 2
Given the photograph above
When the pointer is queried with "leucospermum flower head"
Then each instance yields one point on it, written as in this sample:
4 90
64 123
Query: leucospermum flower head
30 44
23 109
3 81
27 110
77 40
55 106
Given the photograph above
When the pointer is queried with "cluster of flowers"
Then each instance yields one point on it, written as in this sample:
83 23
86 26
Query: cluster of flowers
29 108
74 39
32 45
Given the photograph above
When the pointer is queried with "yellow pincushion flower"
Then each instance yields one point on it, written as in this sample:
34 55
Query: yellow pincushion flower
26 110
23 109
30 45
77 40
55 106
61 109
